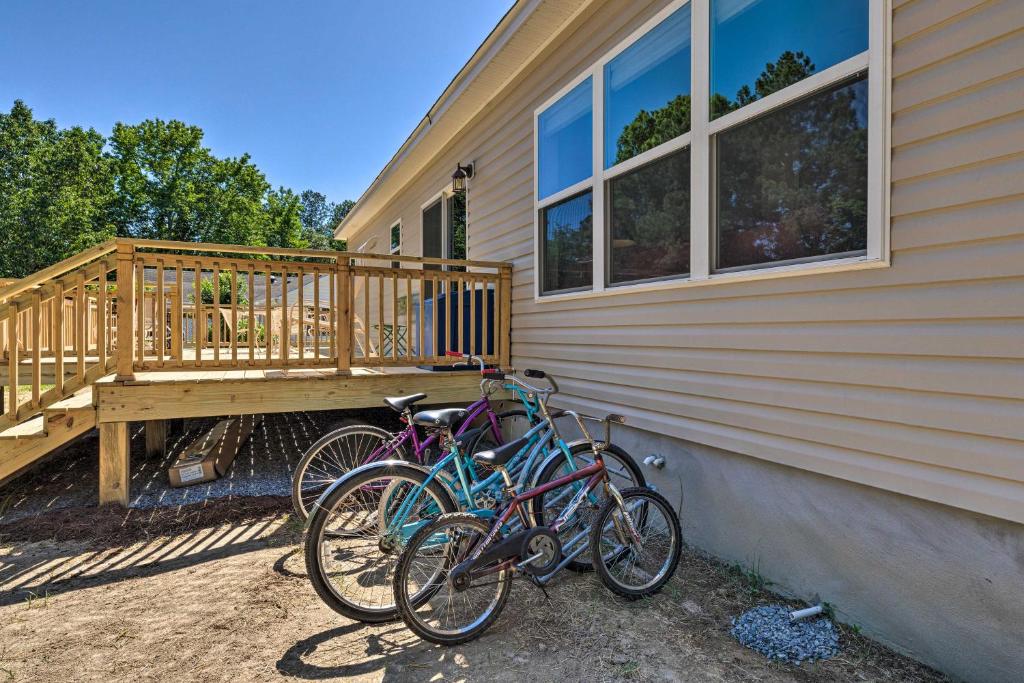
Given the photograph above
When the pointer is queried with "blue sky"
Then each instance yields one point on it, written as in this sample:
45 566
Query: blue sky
321 94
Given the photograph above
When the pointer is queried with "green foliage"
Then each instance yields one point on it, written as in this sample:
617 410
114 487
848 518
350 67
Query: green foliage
650 129
64 190
56 192
319 218
224 291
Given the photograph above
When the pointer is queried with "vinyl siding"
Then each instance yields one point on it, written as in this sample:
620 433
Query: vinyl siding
908 378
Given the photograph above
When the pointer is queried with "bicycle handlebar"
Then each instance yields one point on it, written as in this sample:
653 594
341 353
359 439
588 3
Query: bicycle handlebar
540 374
466 356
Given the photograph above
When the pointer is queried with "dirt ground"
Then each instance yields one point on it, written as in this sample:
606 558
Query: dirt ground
217 592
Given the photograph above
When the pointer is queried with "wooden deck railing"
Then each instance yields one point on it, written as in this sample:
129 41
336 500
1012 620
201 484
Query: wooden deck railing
58 331
212 306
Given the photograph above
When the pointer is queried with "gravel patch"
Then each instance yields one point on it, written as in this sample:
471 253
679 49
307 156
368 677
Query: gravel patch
263 467
769 631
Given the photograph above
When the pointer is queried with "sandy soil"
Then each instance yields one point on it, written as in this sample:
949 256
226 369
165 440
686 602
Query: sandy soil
218 592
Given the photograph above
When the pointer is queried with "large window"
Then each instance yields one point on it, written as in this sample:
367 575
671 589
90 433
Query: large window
649 221
722 136
567 244
564 138
647 90
792 184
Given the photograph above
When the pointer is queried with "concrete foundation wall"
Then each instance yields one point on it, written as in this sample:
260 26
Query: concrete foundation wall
938 583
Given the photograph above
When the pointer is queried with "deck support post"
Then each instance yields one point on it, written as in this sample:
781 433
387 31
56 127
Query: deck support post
125 312
505 316
114 462
156 438
343 324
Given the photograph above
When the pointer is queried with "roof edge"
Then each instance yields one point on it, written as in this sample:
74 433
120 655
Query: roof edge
506 26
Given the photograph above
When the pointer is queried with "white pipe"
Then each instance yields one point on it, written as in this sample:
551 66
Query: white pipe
799 614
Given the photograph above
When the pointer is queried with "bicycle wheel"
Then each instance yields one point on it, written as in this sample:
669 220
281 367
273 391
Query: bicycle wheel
635 557
428 601
623 472
351 549
334 455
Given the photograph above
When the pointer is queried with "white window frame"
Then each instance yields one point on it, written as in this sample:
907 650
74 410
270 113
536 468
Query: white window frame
395 250
876 60
440 196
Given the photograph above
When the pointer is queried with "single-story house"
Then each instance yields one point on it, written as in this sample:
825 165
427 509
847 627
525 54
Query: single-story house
784 238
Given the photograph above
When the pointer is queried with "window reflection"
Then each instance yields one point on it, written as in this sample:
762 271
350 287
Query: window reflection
564 138
649 221
761 46
567 249
647 90
793 184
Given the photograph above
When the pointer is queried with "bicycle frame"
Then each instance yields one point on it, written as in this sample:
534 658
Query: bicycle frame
531 452
595 475
420 448
467 492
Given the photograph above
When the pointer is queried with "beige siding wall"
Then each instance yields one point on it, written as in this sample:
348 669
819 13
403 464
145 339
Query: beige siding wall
909 378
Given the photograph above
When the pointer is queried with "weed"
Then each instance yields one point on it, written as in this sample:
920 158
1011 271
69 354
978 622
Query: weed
35 600
754 581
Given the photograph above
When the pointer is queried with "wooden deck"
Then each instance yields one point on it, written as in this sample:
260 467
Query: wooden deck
163 395
153 397
131 331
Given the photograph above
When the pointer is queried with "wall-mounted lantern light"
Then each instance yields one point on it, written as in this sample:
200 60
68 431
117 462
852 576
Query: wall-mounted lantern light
459 178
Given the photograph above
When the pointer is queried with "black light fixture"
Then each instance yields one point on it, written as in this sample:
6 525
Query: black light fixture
461 175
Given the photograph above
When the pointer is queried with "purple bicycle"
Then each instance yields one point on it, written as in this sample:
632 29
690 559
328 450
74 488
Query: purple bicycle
346 448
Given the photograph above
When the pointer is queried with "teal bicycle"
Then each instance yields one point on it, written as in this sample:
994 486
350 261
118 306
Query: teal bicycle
359 526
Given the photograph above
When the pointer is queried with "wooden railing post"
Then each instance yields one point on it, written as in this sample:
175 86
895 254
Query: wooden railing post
125 312
505 312
343 316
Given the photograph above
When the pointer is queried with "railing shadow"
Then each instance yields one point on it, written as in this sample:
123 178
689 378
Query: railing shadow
48 568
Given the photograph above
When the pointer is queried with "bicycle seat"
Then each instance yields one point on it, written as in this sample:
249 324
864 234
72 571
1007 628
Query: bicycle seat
445 417
502 454
400 403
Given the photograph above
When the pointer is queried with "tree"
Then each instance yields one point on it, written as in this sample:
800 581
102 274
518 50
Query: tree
60 192
164 179
56 192
649 129
319 217
224 291
282 211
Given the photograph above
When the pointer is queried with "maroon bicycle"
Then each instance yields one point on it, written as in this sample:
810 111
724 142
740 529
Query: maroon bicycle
455 575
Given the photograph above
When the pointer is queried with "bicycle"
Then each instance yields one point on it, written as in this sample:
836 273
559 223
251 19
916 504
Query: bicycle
342 450
455 575
360 524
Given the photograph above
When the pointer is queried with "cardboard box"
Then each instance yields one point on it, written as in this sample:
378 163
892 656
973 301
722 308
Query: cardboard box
210 456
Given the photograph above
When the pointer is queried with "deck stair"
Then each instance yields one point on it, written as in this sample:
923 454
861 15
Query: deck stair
60 423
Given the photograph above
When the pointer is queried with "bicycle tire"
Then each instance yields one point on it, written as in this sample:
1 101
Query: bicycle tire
301 500
601 566
407 606
321 516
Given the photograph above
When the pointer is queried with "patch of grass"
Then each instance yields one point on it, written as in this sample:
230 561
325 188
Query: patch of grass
629 670
751 578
